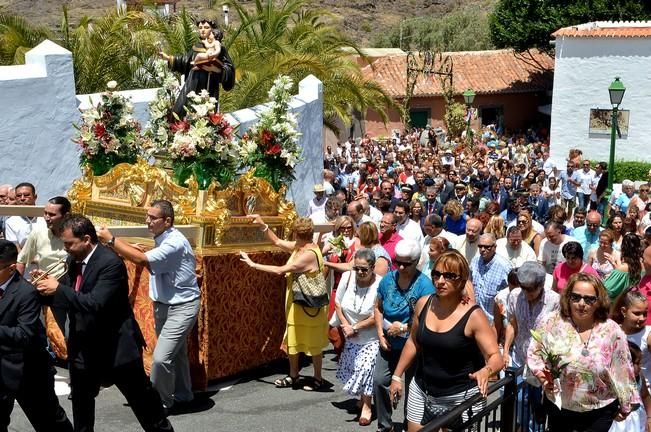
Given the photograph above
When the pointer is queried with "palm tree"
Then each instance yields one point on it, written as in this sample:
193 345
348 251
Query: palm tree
17 37
292 40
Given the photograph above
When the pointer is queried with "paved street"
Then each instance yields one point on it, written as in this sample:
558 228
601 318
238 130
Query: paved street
249 402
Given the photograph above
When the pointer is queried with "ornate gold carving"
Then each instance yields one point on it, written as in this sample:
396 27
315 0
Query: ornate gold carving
121 196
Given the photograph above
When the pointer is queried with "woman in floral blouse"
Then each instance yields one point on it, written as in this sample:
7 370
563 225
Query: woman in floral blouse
597 385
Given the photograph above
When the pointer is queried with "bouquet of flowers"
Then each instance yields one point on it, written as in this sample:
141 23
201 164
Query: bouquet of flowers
271 146
160 109
552 351
203 144
108 134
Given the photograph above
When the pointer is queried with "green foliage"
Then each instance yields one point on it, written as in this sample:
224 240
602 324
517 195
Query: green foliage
454 118
629 170
294 40
464 29
525 24
17 37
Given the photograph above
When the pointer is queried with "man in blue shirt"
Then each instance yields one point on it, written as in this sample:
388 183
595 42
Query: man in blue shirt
588 234
489 273
174 290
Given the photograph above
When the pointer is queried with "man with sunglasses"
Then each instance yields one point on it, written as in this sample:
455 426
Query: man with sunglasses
585 177
588 234
489 273
174 291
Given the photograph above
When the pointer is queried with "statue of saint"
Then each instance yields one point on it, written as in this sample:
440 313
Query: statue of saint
207 66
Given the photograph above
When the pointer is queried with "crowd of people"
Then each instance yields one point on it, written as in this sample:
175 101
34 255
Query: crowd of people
440 265
484 245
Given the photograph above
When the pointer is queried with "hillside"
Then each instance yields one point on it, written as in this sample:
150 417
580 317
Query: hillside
361 19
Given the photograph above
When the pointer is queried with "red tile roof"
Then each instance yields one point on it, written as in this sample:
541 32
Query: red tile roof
605 29
486 72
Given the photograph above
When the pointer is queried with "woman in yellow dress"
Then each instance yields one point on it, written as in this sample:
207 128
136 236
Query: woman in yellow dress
306 330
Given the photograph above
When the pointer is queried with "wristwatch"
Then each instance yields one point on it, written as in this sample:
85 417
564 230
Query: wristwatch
402 328
355 328
111 242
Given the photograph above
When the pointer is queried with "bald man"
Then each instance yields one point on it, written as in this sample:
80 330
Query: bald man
467 243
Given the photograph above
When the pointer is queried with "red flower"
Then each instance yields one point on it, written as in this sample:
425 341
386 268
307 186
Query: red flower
216 118
99 130
180 126
273 150
267 137
226 132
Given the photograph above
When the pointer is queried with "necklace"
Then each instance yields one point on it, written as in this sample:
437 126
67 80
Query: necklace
584 352
361 303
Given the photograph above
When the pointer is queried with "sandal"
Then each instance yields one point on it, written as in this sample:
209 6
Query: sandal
286 382
314 385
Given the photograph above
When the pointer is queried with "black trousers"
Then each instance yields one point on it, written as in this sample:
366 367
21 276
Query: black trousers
36 397
132 382
598 420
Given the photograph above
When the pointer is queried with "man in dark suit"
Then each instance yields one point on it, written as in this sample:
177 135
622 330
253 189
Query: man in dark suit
497 194
105 342
26 372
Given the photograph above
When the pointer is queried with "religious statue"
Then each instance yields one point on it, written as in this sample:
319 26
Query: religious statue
207 66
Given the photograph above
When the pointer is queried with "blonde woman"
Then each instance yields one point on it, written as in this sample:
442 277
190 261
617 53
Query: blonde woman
529 235
496 227
454 220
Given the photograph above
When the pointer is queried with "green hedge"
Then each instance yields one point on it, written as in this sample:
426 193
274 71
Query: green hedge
629 170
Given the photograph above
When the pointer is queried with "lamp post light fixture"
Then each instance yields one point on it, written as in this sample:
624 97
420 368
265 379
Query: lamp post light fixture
468 98
225 10
616 91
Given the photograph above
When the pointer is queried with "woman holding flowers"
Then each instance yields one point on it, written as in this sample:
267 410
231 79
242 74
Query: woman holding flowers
582 360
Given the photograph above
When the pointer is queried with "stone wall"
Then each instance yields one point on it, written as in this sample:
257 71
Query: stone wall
38 107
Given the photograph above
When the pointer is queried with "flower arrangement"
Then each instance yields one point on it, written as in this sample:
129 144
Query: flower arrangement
160 109
552 351
203 144
271 146
108 134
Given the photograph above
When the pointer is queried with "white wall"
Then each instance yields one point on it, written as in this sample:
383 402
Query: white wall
584 69
38 108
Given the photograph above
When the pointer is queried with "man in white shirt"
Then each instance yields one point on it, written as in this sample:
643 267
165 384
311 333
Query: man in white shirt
407 228
18 228
467 243
513 249
318 202
550 248
586 177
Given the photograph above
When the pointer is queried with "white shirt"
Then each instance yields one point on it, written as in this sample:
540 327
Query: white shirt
548 167
316 205
517 257
586 178
357 304
376 215
18 228
550 254
410 230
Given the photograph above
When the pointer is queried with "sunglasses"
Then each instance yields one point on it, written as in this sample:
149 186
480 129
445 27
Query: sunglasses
361 269
522 222
588 299
593 225
485 246
448 276
403 263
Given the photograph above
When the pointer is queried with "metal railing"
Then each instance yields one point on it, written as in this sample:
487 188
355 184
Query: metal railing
515 403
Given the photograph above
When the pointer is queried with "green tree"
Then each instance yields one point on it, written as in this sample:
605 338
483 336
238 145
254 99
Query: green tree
525 24
17 36
293 40
463 29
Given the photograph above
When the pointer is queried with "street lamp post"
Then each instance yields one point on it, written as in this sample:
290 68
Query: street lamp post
469 98
616 91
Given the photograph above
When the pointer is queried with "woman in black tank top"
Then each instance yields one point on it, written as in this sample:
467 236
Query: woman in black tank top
454 346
